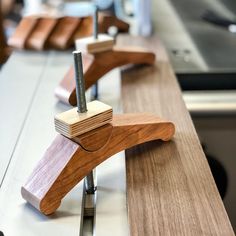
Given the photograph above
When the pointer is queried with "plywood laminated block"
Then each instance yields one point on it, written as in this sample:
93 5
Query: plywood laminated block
91 45
71 123
22 32
38 38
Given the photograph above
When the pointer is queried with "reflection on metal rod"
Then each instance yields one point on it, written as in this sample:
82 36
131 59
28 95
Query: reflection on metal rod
79 81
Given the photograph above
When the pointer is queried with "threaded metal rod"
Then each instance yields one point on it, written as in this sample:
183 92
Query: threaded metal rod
79 82
95 35
89 183
82 107
95 22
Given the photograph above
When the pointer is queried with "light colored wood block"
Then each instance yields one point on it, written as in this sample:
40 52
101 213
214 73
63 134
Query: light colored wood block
71 123
90 45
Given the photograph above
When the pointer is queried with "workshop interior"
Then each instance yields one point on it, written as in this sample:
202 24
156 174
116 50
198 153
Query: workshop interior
118 117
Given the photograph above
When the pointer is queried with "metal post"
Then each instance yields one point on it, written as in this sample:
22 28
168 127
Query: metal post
79 82
95 22
82 107
95 35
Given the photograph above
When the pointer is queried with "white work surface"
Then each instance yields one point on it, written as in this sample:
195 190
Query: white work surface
28 106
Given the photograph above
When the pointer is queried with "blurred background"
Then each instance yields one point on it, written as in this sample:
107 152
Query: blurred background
200 38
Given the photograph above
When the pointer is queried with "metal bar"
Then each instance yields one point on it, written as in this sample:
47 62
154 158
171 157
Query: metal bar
79 81
82 107
89 183
95 22
94 95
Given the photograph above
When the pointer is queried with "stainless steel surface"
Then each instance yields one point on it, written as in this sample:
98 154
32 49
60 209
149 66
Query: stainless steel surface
209 48
35 75
203 103
170 28
215 44
89 183
79 82
87 221
16 101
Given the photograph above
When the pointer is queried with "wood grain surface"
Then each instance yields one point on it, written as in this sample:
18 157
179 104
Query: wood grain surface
62 35
66 162
97 65
91 45
71 123
170 189
38 38
23 31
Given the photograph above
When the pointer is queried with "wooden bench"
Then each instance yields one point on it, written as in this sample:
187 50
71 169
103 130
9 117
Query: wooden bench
170 188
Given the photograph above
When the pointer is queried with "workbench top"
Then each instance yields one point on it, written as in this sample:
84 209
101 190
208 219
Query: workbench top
170 188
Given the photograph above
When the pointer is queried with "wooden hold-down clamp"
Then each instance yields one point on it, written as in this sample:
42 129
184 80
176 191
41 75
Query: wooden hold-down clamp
98 64
87 138
100 55
68 160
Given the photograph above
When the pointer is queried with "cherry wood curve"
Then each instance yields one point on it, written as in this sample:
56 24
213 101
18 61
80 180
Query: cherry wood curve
66 162
98 64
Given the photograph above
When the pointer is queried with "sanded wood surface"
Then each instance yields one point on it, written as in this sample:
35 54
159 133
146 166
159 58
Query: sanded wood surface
170 189
66 162
97 65
41 32
62 35
22 32
104 42
71 123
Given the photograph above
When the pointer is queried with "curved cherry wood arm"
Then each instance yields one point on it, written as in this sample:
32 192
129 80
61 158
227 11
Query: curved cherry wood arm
97 65
66 162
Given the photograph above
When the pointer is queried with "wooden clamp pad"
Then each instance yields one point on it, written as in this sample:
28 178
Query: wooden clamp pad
67 161
71 123
98 64
91 45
